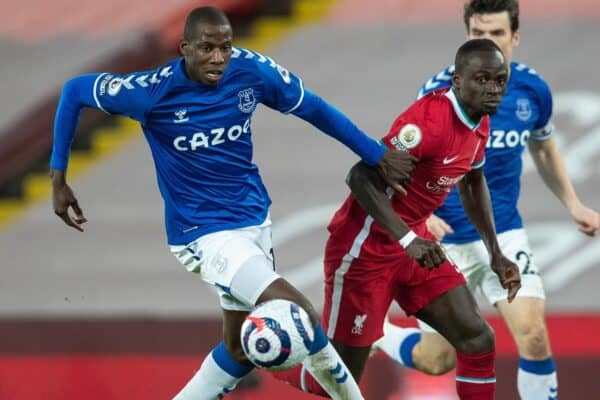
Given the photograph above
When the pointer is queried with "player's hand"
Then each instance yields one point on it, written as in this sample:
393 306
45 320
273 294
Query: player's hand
396 168
63 199
508 275
438 227
587 219
427 253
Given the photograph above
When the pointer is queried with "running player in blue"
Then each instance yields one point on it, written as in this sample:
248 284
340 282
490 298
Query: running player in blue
196 114
523 119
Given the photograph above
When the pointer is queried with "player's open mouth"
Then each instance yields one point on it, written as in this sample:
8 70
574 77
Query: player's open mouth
214 76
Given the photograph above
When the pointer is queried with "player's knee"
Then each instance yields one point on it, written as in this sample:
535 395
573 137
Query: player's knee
532 340
480 338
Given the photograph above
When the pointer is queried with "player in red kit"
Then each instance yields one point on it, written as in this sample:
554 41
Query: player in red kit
380 250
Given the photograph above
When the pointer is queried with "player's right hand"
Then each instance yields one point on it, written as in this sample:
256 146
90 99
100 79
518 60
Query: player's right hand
508 275
396 168
63 199
438 227
427 253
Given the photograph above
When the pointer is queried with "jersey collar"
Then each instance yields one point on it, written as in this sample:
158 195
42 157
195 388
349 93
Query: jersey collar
460 113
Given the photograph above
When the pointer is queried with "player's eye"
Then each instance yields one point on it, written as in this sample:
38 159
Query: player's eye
482 80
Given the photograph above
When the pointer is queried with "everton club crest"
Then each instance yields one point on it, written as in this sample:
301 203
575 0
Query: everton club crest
523 109
247 100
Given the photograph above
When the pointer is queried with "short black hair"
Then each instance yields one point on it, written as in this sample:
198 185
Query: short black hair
207 15
493 6
471 46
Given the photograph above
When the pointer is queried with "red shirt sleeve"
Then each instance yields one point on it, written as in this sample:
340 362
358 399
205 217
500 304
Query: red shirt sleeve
412 132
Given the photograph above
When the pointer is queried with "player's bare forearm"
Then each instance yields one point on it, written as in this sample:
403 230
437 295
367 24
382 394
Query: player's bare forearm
58 177
551 167
478 207
370 191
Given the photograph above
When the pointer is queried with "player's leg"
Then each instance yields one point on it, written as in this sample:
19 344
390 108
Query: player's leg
420 348
536 377
218 257
356 299
239 264
423 348
331 375
455 315
222 369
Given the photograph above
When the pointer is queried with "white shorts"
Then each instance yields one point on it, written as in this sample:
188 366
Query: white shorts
473 261
219 257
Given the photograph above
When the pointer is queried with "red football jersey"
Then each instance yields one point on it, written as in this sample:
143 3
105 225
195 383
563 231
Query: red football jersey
447 143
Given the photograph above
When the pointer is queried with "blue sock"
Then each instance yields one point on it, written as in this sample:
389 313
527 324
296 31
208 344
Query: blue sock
217 376
228 364
319 341
406 349
537 379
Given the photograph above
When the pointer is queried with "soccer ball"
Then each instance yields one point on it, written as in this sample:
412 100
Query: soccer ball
277 335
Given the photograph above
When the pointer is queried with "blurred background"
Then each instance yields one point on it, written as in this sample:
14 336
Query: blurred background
110 314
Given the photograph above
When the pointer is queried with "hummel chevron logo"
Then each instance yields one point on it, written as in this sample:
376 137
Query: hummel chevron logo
447 160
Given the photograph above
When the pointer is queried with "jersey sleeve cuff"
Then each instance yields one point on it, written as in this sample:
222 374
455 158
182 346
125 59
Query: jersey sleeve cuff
479 164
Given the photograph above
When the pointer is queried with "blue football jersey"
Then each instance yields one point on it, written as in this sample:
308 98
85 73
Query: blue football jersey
524 114
200 137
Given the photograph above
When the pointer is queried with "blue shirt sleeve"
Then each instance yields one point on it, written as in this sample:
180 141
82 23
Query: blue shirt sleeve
334 123
111 93
442 80
543 127
76 94
283 91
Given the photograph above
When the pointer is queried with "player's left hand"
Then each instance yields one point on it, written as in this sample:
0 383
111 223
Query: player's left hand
587 219
508 275
395 168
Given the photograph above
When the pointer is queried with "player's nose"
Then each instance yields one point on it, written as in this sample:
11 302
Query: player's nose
217 57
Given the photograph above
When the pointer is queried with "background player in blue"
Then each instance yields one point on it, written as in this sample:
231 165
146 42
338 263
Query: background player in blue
523 118
196 114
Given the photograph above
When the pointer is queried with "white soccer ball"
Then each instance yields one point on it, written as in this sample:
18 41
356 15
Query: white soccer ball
277 335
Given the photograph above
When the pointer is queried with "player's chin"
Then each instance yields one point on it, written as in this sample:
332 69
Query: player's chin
490 107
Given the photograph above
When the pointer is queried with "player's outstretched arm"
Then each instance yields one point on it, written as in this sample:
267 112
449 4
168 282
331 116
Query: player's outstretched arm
370 191
72 100
476 202
394 166
551 167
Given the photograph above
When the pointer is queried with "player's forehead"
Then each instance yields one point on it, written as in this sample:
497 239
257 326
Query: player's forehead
485 62
211 33
487 22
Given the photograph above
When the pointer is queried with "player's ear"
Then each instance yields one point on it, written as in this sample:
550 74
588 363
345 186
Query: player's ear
516 38
184 47
456 80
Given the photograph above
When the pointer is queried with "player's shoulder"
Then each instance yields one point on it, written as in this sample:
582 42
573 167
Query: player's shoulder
151 81
251 61
526 77
431 112
434 107
442 79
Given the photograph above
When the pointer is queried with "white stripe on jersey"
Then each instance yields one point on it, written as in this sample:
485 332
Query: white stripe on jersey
299 100
338 281
96 96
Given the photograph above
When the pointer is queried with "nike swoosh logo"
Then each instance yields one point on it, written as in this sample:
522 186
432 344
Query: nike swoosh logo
447 160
